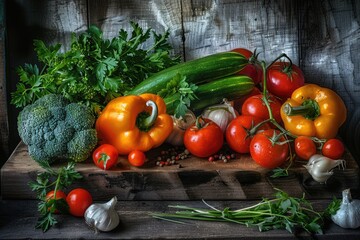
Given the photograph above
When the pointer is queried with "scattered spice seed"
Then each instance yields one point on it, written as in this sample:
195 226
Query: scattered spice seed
172 156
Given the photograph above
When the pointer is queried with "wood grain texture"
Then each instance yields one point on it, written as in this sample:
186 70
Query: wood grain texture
159 15
330 56
271 27
18 218
4 125
240 178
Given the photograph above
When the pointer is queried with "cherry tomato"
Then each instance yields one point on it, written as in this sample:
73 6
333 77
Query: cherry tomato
304 147
203 138
333 148
59 195
267 153
136 158
282 79
238 133
105 156
255 106
79 200
252 69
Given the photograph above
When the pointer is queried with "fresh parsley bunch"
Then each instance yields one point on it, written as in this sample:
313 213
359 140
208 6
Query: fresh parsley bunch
94 70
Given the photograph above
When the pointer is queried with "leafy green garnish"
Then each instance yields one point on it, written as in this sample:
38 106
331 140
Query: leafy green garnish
52 180
178 86
94 70
333 207
279 172
282 212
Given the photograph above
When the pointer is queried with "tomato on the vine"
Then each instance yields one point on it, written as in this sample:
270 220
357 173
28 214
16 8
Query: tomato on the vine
204 138
240 101
105 156
283 78
304 147
252 69
136 158
51 195
333 148
79 200
269 149
240 131
255 106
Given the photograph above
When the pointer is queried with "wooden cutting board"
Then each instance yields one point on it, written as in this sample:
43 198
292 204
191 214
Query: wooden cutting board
189 179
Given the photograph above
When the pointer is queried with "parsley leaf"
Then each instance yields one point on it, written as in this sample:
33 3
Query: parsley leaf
48 180
183 91
94 70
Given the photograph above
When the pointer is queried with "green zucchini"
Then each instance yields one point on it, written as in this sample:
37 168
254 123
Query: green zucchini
214 92
196 71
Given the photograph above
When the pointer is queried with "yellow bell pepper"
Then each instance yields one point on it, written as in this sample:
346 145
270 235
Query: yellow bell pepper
134 123
313 111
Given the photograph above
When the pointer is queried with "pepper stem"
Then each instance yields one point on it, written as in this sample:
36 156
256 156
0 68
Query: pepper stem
309 109
150 120
145 120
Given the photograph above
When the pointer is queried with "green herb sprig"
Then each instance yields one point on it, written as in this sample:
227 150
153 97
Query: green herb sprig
94 70
185 92
282 212
55 180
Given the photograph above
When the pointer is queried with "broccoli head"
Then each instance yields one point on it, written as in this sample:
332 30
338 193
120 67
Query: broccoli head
55 129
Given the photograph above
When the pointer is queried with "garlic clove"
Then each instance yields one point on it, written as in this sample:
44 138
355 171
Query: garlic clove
321 167
102 216
221 114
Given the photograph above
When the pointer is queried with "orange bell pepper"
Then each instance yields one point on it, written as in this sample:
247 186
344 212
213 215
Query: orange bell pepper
134 123
313 111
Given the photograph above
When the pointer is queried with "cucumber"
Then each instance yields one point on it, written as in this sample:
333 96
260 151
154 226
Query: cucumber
214 92
196 71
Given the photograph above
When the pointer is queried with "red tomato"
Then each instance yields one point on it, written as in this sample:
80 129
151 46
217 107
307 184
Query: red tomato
282 80
267 153
204 138
255 106
78 200
253 69
238 135
333 148
304 147
136 158
105 156
240 101
59 195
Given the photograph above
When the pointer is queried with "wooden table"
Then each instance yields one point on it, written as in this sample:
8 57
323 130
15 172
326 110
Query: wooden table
18 218
141 191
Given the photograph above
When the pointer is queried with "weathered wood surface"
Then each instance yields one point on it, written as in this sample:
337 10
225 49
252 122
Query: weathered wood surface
4 127
330 56
18 218
239 178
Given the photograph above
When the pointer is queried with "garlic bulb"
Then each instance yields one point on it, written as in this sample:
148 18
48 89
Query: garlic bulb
348 216
102 216
321 167
176 137
221 114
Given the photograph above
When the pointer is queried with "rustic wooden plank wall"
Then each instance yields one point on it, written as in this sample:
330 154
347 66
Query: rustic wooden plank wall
4 128
320 36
